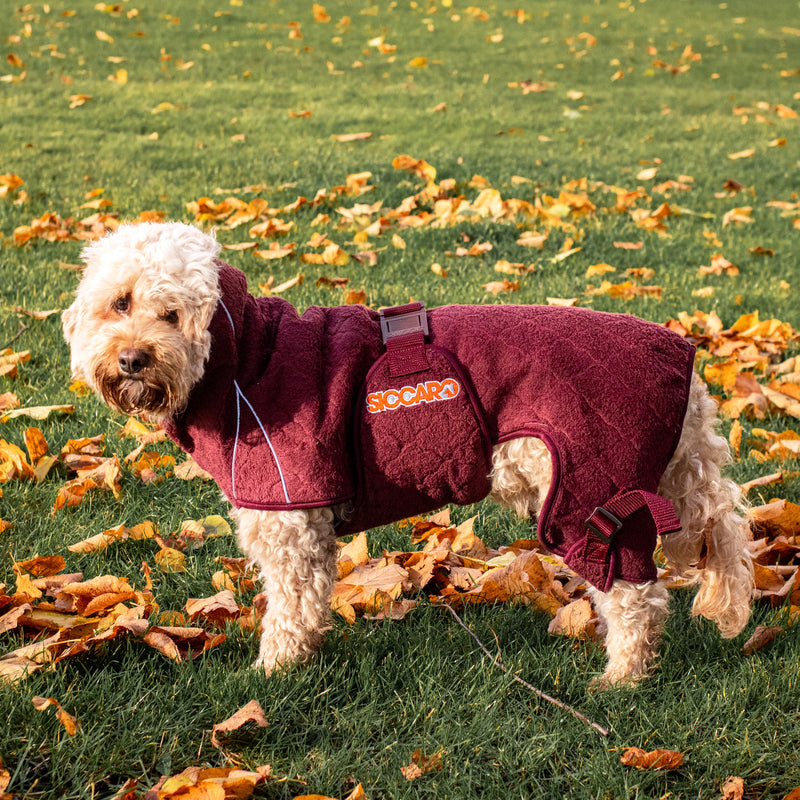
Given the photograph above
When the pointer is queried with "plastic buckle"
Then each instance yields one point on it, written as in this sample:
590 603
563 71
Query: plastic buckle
615 521
398 323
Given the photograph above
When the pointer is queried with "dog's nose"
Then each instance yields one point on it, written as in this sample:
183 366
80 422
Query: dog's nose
132 360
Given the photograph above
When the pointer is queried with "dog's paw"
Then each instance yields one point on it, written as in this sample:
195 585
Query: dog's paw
616 679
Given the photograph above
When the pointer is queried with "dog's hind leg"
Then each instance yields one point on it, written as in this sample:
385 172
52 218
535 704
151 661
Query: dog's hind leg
711 547
634 615
522 470
295 553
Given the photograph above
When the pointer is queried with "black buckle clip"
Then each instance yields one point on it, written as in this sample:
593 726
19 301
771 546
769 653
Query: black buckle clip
615 521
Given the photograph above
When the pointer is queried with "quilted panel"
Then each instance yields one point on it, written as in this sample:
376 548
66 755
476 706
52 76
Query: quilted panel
420 443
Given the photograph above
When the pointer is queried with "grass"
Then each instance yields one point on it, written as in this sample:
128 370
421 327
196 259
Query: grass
379 691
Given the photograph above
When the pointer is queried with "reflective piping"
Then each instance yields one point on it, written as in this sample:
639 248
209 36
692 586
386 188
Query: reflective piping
230 318
239 394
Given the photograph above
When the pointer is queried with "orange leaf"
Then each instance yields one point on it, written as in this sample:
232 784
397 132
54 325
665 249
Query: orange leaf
41 566
496 287
351 137
655 759
576 620
420 764
70 723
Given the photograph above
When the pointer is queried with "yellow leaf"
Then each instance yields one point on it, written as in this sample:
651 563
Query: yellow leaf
170 560
104 37
120 77
37 412
742 154
599 269
419 61
163 107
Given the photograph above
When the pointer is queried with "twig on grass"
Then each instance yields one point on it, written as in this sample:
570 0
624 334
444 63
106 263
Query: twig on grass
538 692
16 335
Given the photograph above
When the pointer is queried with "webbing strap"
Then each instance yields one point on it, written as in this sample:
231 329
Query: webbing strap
594 556
404 329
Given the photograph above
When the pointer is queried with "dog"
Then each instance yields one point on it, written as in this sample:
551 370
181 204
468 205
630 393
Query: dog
275 404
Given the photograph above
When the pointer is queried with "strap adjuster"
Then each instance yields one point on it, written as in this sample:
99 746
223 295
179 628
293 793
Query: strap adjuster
611 524
401 320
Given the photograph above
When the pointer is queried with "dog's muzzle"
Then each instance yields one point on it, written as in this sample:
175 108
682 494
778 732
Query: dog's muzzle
134 386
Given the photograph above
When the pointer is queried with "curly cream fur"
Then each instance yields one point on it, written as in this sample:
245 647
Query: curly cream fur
167 275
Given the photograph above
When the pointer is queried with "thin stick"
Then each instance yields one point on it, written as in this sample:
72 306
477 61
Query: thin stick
538 692
17 335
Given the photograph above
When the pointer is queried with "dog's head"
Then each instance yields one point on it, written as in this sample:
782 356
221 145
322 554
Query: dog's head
138 328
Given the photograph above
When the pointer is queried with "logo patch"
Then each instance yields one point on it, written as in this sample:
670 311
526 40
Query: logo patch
408 396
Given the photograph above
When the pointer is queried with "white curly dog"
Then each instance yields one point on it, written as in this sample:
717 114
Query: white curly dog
139 336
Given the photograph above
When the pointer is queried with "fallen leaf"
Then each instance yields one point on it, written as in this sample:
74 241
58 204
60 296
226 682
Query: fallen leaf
762 636
654 759
169 559
37 412
420 764
577 620
496 287
216 610
207 783
252 712
733 789
70 723
181 643
351 137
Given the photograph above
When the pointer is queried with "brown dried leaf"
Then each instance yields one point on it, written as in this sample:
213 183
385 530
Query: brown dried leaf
252 712
762 636
217 609
181 643
354 553
37 412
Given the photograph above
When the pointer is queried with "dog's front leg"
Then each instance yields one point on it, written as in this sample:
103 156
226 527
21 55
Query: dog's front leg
634 616
295 553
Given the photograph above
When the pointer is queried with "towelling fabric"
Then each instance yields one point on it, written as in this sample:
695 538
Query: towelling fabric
303 411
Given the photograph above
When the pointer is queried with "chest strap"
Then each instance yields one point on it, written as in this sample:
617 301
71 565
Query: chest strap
594 557
404 329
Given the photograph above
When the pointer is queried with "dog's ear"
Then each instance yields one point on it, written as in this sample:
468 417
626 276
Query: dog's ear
69 321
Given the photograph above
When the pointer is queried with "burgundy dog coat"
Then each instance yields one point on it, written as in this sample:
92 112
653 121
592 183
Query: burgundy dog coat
315 410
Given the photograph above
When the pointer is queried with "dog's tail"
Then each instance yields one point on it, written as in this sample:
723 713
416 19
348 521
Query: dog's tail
711 548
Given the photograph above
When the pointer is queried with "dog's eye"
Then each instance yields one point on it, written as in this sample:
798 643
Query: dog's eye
122 305
171 317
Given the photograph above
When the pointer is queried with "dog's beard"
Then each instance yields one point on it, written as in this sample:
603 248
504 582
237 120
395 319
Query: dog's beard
158 390
136 395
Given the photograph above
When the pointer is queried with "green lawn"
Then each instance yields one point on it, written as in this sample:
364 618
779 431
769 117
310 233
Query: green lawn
245 99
